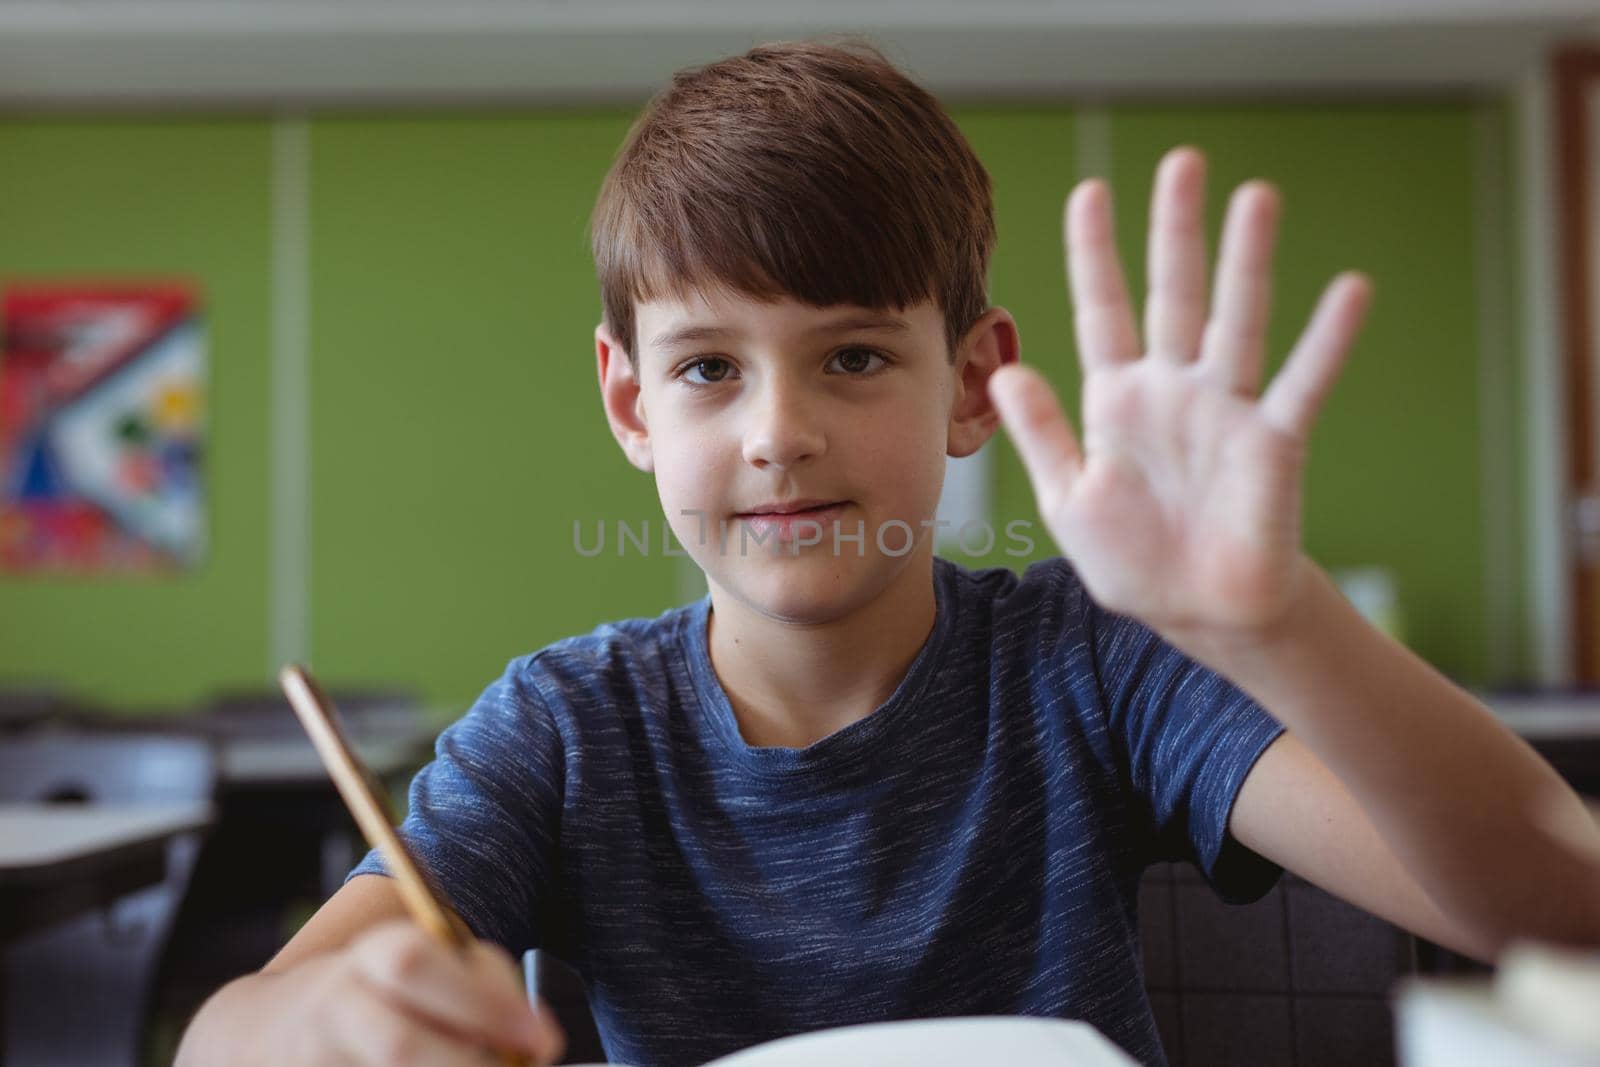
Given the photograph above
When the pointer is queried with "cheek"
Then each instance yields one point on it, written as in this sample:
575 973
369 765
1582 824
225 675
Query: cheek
902 454
692 481
687 469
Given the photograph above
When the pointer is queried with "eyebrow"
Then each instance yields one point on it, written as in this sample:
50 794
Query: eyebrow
686 334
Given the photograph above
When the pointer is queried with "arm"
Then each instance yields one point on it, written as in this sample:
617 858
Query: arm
1294 811
1393 774
1183 510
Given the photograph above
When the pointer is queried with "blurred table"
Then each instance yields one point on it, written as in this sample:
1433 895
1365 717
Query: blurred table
60 860
57 860
261 762
261 747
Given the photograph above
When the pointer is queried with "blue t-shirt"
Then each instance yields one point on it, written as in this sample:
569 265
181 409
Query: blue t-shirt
972 847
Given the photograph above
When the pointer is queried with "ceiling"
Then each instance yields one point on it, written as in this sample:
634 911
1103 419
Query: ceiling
297 53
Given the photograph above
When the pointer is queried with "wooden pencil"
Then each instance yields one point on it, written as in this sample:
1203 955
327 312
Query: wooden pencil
369 805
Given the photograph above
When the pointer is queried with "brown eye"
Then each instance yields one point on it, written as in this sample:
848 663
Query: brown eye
711 370
857 362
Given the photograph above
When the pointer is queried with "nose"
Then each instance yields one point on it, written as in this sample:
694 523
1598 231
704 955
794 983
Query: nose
781 432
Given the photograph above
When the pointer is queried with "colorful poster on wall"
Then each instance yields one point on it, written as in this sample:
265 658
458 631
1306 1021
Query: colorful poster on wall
101 405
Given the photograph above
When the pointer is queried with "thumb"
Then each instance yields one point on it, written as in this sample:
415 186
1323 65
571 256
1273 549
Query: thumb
1039 429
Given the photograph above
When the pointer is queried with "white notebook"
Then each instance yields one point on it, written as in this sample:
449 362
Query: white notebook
1016 1041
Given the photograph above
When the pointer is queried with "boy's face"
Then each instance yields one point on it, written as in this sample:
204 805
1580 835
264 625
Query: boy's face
787 403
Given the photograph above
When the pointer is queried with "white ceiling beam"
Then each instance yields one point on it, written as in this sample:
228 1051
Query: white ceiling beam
293 53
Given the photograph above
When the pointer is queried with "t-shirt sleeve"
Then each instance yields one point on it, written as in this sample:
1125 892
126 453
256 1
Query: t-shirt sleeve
1189 737
484 815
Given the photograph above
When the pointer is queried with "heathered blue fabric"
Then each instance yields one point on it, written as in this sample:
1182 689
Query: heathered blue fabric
973 846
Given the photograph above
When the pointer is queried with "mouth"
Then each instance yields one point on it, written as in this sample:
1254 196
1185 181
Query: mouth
795 508
810 523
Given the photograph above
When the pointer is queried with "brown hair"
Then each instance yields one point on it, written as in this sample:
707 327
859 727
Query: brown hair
812 169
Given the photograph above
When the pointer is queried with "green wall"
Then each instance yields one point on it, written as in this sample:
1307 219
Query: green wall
167 197
1032 161
454 427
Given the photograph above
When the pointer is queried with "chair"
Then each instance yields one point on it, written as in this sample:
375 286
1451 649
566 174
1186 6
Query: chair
1298 978
78 994
27 706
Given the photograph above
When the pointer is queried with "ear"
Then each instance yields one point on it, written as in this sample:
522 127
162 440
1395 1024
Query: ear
619 392
990 344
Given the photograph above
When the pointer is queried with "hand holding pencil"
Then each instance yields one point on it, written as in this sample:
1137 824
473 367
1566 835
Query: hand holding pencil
424 991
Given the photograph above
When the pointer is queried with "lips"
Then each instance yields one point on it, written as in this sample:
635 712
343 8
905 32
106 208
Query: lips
809 523
793 507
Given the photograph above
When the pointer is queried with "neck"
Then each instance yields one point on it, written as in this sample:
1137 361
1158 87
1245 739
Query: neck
791 684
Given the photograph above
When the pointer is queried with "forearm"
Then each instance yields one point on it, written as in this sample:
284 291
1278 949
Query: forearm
228 1029
1453 791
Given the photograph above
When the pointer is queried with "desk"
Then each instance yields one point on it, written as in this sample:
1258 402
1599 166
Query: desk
258 762
57 860
265 747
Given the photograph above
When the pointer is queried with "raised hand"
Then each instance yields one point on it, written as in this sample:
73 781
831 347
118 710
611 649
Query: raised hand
1182 507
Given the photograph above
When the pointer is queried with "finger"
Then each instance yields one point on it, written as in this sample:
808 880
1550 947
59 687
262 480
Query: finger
1236 338
1175 308
537 1028
371 1030
1292 400
1101 315
554 1042
476 992
1040 430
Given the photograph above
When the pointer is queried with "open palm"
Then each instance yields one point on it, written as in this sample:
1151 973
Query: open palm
1182 507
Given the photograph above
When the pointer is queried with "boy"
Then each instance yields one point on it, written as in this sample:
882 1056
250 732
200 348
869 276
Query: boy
856 781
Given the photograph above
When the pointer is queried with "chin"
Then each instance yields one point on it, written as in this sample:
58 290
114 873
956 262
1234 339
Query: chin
812 588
